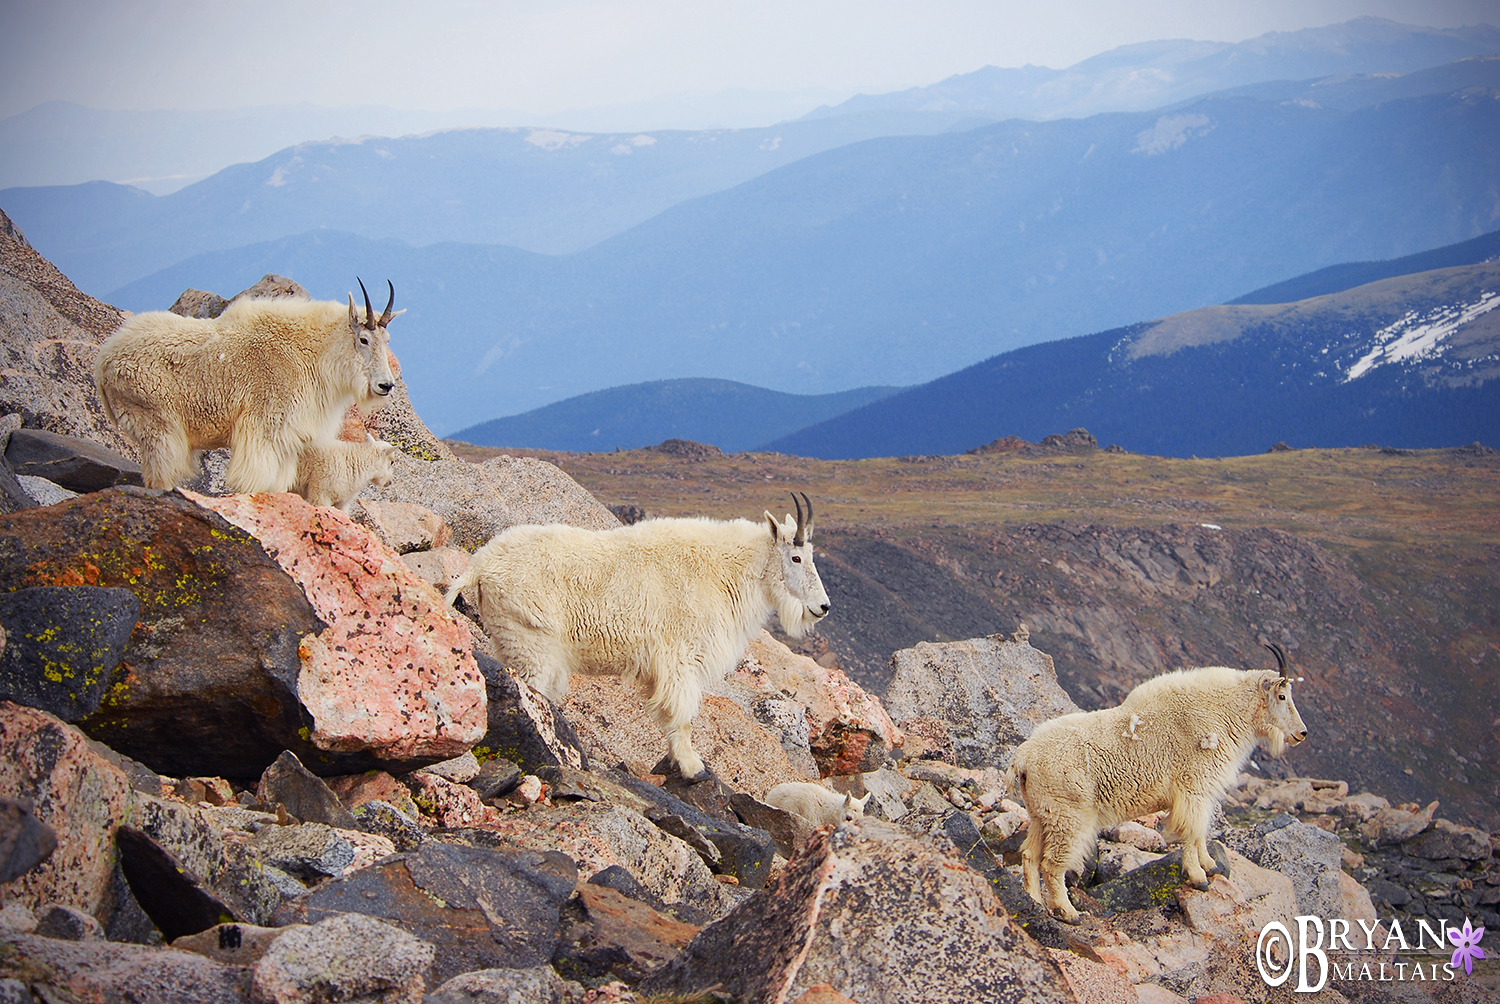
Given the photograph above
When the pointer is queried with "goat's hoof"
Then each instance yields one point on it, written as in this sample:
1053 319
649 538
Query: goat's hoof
1074 920
1201 886
702 775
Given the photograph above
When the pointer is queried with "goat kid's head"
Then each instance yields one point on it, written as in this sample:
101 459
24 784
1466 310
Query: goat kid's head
1283 723
854 808
801 600
371 341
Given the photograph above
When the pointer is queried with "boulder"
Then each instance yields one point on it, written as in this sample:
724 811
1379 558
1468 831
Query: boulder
788 829
309 851
78 795
1449 840
303 794
385 820
455 490
449 805
67 923
198 303
496 777
25 841
989 692
1396 825
523 726
63 644
1092 982
599 834
848 729
1311 857
607 935
439 566
105 972
958 828
460 770
402 526
611 722
540 493
343 958
176 897
355 790
44 492
1151 885
736 849
480 907
430 701
873 914
230 663
79 465
537 985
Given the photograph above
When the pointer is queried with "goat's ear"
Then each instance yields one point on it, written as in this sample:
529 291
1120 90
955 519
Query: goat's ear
353 316
1267 684
396 315
775 527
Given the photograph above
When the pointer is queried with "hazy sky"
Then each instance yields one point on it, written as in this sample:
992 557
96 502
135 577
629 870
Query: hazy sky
548 55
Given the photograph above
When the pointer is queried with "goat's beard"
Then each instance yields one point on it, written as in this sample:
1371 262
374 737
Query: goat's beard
1275 741
796 619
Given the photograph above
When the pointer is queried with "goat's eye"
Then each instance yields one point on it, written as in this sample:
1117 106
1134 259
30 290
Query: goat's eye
1281 697
364 341
797 558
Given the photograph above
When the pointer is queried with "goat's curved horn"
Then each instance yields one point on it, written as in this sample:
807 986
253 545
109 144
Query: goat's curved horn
1280 659
385 318
809 511
369 321
801 537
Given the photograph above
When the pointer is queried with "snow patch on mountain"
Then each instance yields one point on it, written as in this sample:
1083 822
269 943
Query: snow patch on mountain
1420 336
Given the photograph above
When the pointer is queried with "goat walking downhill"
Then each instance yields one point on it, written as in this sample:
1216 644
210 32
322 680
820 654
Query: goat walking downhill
667 603
1176 743
266 378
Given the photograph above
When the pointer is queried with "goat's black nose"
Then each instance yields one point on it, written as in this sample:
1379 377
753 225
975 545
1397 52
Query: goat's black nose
823 608
384 388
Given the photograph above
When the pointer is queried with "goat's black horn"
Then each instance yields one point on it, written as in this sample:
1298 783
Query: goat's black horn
801 537
369 311
385 318
1280 658
809 509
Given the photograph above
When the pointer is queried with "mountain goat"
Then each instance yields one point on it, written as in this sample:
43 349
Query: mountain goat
266 378
334 474
1175 743
815 803
667 603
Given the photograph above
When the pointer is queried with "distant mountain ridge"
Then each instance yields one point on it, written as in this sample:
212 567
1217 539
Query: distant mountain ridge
1153 74
732 416
1410 361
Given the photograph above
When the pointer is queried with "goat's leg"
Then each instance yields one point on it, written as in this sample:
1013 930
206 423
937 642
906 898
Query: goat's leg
165 457
1189 818
673 702
1031 856
1057 854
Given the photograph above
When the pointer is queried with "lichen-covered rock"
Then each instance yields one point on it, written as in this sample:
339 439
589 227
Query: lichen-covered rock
63 646
309 851
342 958
989 693
355 790
524 727
67 923
880 917
231 944
392 673
448 804
382 819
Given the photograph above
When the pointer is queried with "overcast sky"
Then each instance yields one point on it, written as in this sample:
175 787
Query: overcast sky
549 55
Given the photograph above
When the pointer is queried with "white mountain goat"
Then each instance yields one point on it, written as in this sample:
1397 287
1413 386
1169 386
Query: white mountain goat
815 803
266 378
1176 743
667 603
334 474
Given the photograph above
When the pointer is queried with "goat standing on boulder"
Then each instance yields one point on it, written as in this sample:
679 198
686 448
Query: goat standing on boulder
667 603
335 474
266 378
1176 743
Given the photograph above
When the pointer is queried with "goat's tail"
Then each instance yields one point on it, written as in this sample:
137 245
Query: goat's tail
468 578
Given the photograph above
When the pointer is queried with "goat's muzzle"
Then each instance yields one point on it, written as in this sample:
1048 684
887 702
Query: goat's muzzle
384 388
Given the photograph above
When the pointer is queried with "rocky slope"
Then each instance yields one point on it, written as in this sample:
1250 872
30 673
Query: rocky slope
247 755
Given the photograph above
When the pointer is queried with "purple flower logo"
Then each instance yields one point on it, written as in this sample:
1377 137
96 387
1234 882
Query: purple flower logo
1468 948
